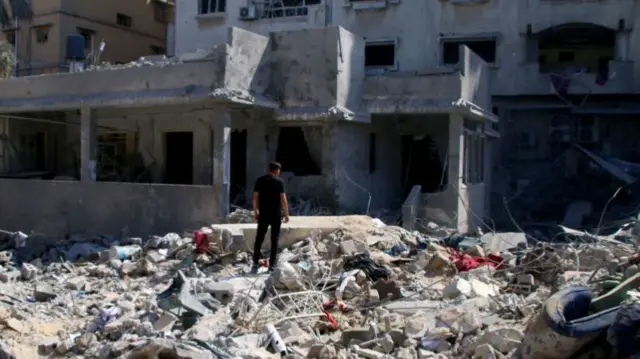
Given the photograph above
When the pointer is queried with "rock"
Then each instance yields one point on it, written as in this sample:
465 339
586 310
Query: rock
44 293
47 346
165 323
387 289
459 320
439 263
406 353
480 289
76 283
457 288
368 353
475 251
486 351
502 339
28 271
362 334
5 257
373 296
222 291
425 354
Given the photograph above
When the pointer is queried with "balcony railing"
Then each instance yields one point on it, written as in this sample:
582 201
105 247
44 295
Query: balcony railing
530 81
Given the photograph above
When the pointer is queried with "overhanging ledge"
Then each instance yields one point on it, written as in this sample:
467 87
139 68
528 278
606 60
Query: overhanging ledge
174 96
293 114
391 105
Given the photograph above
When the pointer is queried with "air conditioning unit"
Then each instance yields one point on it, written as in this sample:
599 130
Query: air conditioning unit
248 13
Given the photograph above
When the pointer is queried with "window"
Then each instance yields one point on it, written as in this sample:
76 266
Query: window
158 50
42 34
212 6
486 49
288 8
372 153
88 37
566 56
11 37
380 54
161 12
123 20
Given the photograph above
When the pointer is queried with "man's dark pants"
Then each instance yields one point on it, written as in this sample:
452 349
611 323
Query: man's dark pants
264 222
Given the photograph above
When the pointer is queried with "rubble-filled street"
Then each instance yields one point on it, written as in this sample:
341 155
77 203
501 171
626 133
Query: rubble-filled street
361 290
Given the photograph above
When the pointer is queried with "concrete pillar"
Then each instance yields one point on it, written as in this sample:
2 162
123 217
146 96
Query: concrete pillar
456 168
258 151
622 45
221 159
88 144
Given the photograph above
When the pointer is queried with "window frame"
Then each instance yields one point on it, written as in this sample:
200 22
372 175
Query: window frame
219 4
465 40
379 42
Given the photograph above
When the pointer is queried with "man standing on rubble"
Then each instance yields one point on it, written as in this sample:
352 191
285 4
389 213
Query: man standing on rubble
269 200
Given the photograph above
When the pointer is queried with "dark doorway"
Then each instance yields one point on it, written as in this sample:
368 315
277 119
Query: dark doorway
178 158
238 166
421 165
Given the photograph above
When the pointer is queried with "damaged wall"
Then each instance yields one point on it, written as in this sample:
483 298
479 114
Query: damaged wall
247 65
58 208
475 80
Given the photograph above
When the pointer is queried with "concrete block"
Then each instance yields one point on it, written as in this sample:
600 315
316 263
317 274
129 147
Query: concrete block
222 291
28 271
362 334
165 322
155 257
10 276
47 346
43 293
76 283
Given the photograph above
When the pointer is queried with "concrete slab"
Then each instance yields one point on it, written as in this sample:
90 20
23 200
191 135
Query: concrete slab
297 229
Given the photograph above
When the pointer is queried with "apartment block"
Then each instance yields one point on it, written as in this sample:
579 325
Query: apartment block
114 31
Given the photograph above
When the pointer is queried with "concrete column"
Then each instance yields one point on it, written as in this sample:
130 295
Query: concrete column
88 144
622 45
456 150
221 159
455 170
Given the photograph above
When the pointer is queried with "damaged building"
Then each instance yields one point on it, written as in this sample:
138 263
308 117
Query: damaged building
368 104
173 144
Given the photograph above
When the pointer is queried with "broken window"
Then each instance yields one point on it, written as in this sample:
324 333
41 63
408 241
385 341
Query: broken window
123 20
576 47
88 37
288 8
42 34
212 6
486 49
381 54
298 155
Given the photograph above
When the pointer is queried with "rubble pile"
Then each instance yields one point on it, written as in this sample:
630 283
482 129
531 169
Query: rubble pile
371 292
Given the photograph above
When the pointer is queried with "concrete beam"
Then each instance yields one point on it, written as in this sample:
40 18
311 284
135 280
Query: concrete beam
222 159
88 144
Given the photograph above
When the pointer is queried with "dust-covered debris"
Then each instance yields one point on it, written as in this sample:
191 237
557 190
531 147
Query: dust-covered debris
360 291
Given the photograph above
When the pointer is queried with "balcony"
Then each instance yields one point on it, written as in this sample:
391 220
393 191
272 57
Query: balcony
529 81
542 14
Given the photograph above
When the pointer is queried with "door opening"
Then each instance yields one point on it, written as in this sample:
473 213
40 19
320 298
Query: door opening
238 167
421 164
178 158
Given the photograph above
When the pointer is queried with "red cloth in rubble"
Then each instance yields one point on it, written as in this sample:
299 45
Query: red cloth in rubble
465 262
201 241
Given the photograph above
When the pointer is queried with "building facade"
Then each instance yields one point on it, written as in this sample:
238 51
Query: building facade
437 108
562 72
128 29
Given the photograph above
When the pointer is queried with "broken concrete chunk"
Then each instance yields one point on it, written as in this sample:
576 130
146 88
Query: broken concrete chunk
459 320
439 263
76 283
43 293
10 276
28 271
502 339
457 288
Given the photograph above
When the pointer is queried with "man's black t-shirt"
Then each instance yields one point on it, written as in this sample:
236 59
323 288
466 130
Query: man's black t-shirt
269 188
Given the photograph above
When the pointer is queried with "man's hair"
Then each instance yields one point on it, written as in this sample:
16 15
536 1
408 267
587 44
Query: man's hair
273 165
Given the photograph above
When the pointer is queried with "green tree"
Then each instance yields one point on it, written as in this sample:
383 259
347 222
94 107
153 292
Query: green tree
7 59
